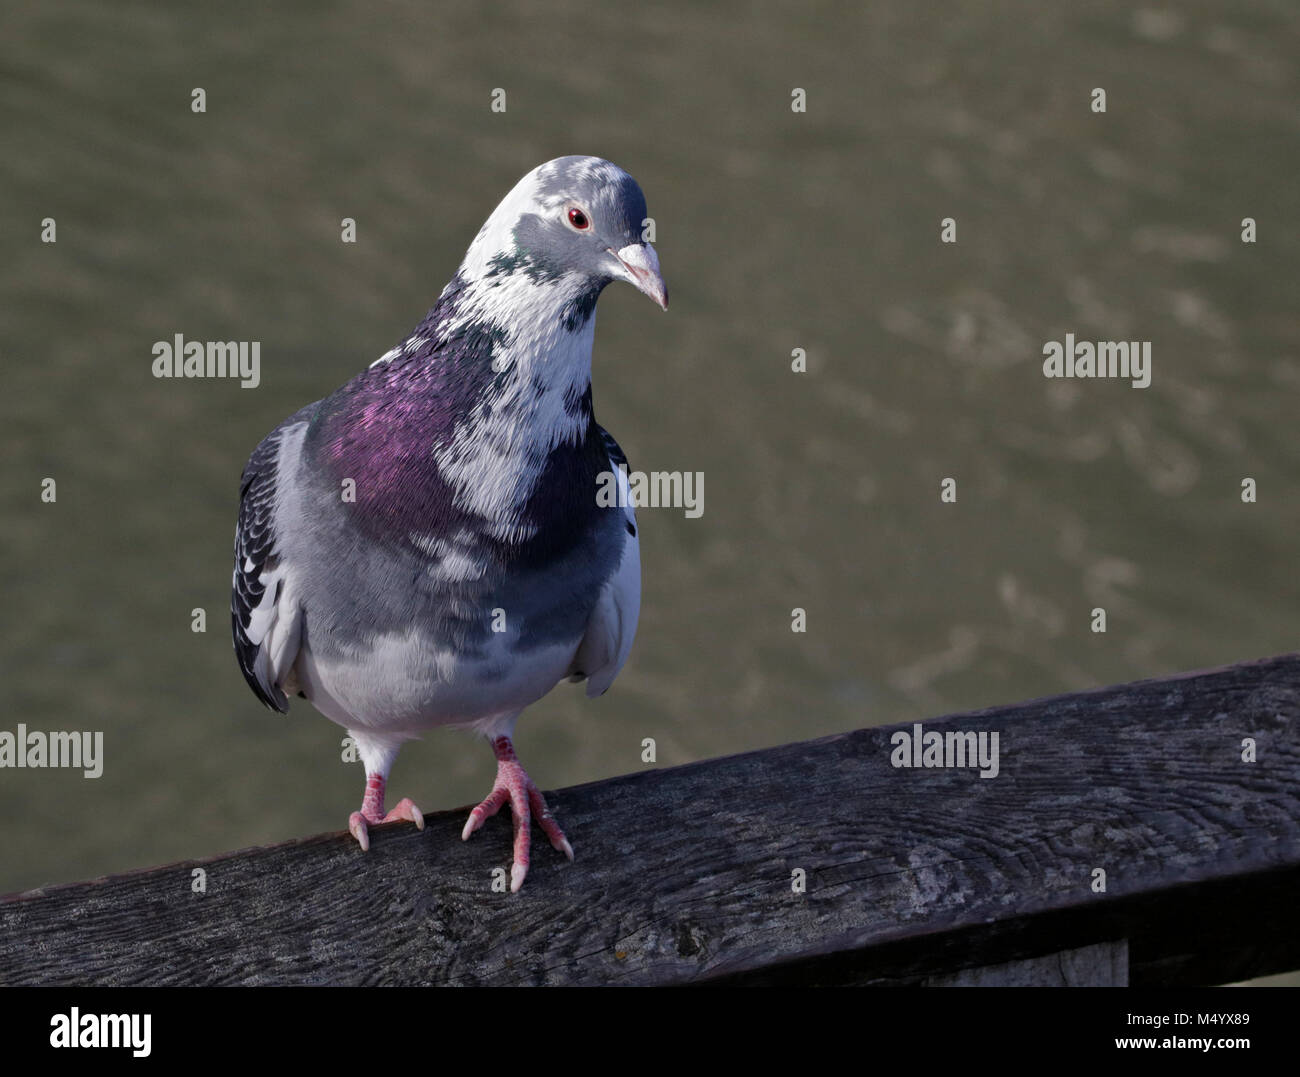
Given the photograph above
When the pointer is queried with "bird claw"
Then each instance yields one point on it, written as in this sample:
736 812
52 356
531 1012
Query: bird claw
358 829
406 811
514 787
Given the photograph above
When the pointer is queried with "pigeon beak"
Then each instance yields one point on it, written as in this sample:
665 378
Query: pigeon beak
640 267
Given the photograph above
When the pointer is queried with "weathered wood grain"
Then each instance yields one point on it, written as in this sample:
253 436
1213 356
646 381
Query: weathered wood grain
684 875
1104 964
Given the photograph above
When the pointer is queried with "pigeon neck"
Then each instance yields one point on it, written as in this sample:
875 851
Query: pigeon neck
536 391
530 342
474 412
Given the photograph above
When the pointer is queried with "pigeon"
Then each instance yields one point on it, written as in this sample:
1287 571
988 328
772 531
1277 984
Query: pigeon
428 546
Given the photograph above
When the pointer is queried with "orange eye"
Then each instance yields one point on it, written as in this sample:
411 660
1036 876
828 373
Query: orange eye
579 220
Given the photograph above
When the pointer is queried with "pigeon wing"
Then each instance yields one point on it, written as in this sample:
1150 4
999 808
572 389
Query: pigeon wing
267 624
608 639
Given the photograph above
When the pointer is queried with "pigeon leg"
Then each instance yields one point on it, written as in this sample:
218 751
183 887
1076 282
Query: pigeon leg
372 811
514 786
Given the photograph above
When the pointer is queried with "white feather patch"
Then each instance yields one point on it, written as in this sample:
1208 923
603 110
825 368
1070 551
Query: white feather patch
498 451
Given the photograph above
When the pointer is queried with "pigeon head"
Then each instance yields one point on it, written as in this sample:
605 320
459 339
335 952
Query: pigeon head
574 223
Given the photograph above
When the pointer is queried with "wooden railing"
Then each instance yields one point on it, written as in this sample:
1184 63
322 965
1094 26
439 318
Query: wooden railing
1141 834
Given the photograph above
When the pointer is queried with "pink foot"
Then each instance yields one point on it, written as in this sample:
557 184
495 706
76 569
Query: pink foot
372 811
526 803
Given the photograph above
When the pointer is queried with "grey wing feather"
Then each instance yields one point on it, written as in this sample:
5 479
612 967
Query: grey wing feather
253 611
608 639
